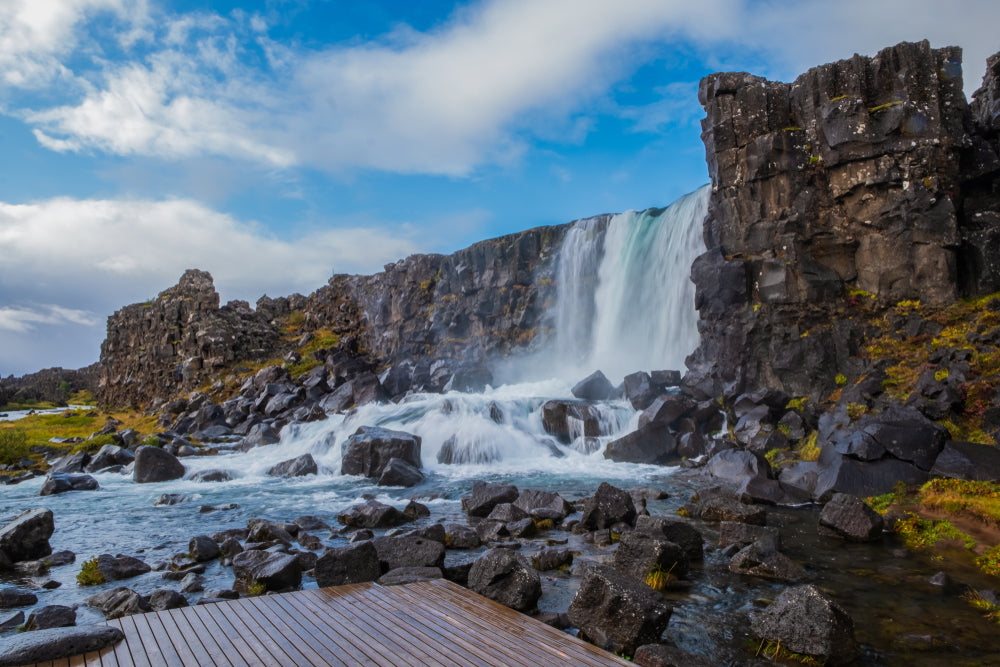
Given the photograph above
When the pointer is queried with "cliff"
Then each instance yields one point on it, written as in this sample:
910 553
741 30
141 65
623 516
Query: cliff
864 183
475 304
52 385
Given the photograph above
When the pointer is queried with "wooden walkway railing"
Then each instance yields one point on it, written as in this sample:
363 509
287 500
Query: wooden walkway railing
428 623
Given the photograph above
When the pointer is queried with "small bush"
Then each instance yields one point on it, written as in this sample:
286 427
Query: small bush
841 379
13 446
89 574
93 444
809 451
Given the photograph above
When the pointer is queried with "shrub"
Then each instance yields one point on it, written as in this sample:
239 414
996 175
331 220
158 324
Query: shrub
13 446
93 444
89 574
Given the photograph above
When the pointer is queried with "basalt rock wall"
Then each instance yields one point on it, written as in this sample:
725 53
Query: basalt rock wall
476 304
54 385
865 179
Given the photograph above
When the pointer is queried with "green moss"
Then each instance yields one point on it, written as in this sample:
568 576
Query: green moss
882 503
989 562
839 97
813 160
809 450
93 444
89 574
920 533
256 588
990 610
778 653
883 107
797 403
855 410
791 128
841 379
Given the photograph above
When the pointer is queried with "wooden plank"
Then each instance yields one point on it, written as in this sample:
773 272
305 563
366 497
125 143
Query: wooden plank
337 641
213 624
277 635
434 636
401 636
92 659
77 661
327 649
255 635
136 648
121 653
177 627
173 648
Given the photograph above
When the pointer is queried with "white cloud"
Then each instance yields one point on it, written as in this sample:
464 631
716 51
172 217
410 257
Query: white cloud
25 319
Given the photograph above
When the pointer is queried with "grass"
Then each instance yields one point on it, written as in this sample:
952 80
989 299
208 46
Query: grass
809 450
990 610
89 574
980 500
882 503
920 533
658 579
775 651
13 446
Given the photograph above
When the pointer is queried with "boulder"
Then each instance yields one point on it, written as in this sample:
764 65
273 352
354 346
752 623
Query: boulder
262 530
410 575
297 467
108 456
608 506
118 602
678 532
968 460
368 451
261 571
506 577
662 655
71 463
902 432
27 536
742 534
153 464
203 548
408 551
63 482
569 420
552 559
398 472
16 597
459 536
51 616
617 612
507 513
213 475
352 564
119 567
805 620
12 622
487 495
724 508
650 443
639 555
640 390
163 599
835 473
849 517
664 410
543 504
58 644
259 435
373 514
594 387
762 559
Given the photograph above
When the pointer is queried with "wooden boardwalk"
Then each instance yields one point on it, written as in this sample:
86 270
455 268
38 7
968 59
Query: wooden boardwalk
428 623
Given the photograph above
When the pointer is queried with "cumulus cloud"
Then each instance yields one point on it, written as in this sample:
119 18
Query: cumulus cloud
23 320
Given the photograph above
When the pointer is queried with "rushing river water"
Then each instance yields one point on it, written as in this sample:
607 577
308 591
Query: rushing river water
637 315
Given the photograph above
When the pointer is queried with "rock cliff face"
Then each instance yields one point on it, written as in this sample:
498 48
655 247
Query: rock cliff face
858 181
483 301
53 385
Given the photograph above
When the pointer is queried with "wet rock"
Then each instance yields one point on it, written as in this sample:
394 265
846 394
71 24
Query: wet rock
369 450
640 390
594 387
410 575
664 410
51 616
487 495
11 622
459 536
297 467
742 534
543 504
373 514
608 506
108 456
214 475
16 597
352 564
638 555
835 473
63 482
617 612
762 559
272 571
415 510
408 551
71 463
661 655
118 602
191 583
722 508
849 517
506 577
309 522
262 530
651 443
507 513
27 536
568 420
153 464
552 559
120 567
259 435
60 558
169 499
805 620
398 472
163 599
203 548
678 532
58 643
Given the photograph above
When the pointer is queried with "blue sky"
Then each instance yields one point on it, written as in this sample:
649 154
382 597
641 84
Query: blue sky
274 143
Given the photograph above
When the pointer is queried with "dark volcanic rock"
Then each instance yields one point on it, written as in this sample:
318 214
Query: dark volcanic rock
369 450
640 390
58 643
297 467
639 555
408 551
617 612
63 482
568 420
968 460
118 602
109 455
849 517
398 472
16 597
651 443
661 655
163 599
27 536
594 387
353 564
203 548
678 532
543 504
608 506
506 577
804 620
762 559
153 464
273 571
410 575
120 567
487 495
373 514
51 616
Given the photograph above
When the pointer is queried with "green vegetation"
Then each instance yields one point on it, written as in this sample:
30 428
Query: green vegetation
882 503
920 533
809 450
13 446
659 579
797 403
778 653
955 496
841 379
990 610
256 588
93 444
883 107
89 574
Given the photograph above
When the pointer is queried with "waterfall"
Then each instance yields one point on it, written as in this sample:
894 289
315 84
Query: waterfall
626 301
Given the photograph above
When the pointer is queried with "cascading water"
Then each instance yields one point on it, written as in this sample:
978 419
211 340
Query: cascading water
626 301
